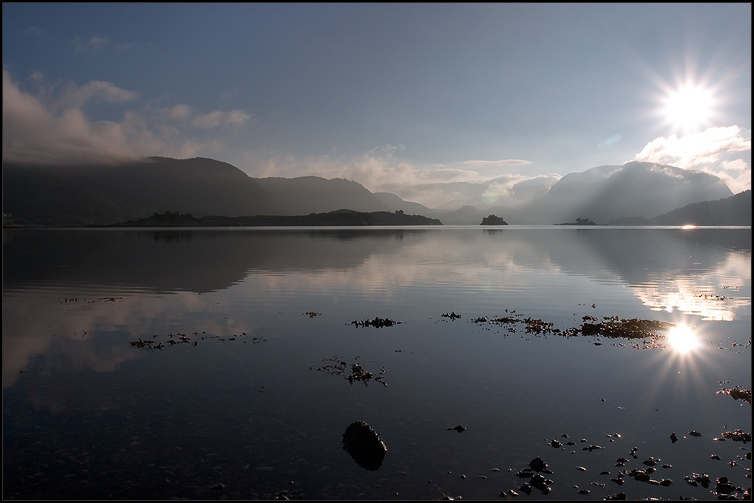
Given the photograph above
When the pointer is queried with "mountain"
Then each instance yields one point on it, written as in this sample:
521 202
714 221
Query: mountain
734 210
312 194
395 203
606 193
104 194
35 195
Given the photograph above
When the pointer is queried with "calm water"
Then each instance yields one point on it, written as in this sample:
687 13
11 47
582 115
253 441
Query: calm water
156 364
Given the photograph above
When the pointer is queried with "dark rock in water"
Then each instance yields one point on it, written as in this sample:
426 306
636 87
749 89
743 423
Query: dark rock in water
364 445
695 433
723 487
673 438
538 481
538 464
459 428
703 479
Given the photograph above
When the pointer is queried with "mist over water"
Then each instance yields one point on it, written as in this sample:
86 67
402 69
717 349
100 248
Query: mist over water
248 396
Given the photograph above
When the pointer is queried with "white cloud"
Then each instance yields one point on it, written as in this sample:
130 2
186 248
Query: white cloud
186 115
33 133
34 30
178 113
218 118
230 93
381 170
95 43
721 151
76 96
54 129
502 164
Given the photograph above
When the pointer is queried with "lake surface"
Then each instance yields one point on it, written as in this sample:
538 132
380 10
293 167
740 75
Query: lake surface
215 363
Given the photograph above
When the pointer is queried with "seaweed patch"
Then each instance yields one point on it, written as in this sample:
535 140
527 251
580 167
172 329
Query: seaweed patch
356 373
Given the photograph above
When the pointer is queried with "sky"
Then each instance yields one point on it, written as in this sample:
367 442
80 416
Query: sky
398 97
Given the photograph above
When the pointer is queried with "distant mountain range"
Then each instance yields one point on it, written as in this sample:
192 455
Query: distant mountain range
643 193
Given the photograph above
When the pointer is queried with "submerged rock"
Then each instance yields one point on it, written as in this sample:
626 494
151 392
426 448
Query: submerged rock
364 445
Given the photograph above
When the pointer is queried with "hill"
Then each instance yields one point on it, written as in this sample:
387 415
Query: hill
91 195
312 194
103 195
395 203
734 210
606 193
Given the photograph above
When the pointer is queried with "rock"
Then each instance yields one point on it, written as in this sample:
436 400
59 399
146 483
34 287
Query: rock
537 464
364 445
673 438
650 461
723 487
539 482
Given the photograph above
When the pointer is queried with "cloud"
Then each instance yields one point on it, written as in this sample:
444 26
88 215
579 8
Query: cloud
33 133
502 164
53 128
217 118
186 115
230 93
34 30
76 96
93 44
381 170
722 151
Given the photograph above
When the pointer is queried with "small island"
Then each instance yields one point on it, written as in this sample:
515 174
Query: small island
580 221
493 220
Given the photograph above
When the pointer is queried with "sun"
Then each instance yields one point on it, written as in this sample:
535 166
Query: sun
688 108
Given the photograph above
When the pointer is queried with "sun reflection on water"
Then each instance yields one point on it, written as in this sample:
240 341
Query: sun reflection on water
682 339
